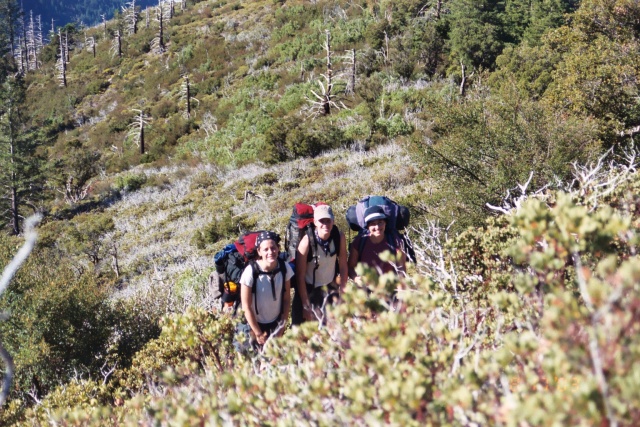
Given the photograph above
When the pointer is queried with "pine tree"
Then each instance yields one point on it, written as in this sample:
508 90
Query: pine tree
20 176
10 15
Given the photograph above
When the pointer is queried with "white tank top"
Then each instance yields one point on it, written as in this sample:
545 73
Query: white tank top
326 271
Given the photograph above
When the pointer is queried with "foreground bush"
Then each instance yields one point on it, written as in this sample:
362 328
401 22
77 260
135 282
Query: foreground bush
529 320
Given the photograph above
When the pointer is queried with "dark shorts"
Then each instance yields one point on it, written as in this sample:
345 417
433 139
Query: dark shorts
316 299
269 327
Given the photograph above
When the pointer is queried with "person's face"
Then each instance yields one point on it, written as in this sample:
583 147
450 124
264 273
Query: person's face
377 227
268 250
324 227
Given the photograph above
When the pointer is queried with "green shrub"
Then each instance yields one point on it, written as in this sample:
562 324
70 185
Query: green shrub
186 342
223 229
97 86
130 181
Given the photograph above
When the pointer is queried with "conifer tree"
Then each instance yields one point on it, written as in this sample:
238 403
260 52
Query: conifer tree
19 165
10 14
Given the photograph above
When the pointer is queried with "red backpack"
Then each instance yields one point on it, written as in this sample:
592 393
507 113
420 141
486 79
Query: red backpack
300 224
230 263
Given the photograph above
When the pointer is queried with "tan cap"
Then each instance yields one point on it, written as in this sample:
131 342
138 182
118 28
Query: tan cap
322 212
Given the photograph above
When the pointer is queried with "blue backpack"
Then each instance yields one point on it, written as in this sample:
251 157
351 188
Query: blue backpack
398 217
231 261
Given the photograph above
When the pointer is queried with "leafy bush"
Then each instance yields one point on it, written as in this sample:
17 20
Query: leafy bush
60 322
186 342
478 148
130 181
501 321
96 86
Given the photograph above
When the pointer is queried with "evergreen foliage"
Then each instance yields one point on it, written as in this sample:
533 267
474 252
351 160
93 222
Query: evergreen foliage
21 181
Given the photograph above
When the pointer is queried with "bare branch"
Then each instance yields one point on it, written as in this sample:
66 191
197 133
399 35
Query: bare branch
9 271
594 348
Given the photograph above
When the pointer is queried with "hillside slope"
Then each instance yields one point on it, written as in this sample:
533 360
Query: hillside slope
528 317
166 232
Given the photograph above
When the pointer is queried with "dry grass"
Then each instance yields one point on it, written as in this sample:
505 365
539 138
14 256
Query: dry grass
155 226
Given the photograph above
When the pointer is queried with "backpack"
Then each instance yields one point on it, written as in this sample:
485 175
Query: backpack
398 217
231 261
301 224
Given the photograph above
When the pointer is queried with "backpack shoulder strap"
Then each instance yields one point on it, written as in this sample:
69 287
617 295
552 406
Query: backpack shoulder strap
312 255
255 270
283 269
313 243
335 237
363 241
391 240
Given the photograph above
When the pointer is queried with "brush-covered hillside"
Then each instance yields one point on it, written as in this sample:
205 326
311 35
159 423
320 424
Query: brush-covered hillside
149 143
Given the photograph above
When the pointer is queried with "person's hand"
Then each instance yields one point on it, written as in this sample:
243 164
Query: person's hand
307 313
261 338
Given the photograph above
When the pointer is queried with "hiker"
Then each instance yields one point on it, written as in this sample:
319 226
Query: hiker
267 306
324 275
375 242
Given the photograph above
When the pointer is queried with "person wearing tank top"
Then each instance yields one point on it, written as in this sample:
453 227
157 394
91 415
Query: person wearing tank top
318 278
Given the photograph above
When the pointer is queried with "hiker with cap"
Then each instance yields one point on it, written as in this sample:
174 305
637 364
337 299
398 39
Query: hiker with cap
265 289
367 247
323 275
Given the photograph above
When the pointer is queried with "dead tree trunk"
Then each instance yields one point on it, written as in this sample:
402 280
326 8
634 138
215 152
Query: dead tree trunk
137 129
90 42
39 42
15 217
185 94
351 60
326 100
66 46
188 95
463 80
24 47
141 139
61 65
131 17
116 45
327 104
157 44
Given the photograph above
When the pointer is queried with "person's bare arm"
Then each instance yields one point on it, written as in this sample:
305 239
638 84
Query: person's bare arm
301 272
343 267
352 263
246 297
286 305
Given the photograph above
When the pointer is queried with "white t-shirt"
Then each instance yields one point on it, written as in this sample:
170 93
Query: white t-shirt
326 271
268 309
